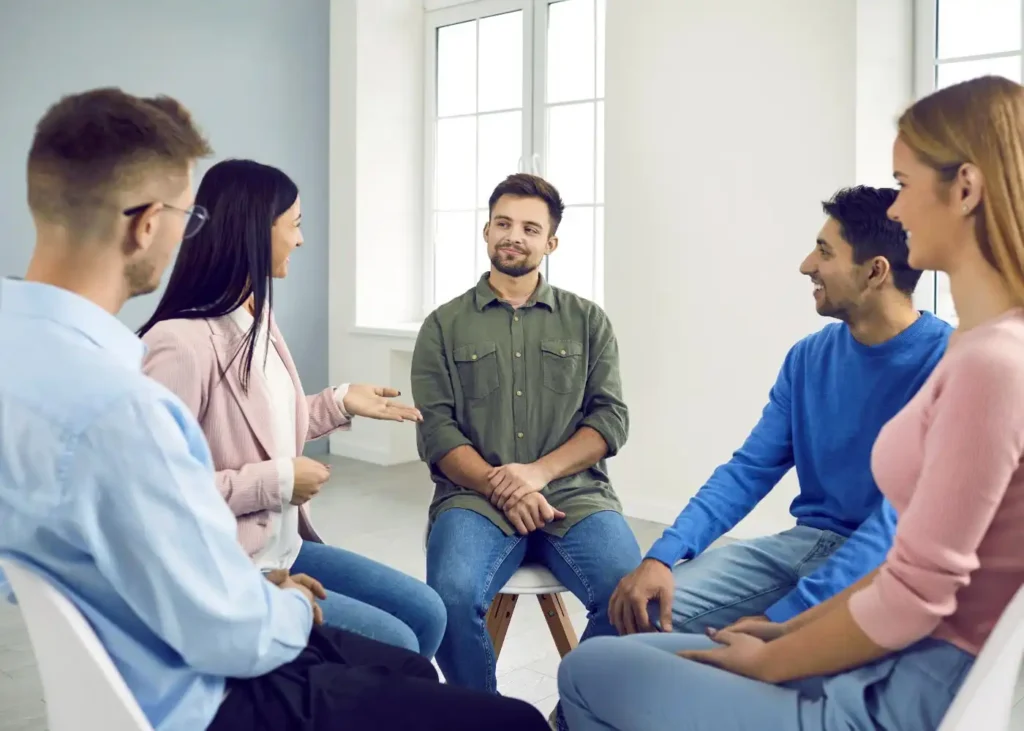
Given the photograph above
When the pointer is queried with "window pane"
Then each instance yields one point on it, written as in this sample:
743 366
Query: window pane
924 295
944 306
600 152
600 48
456 69
455 163
954 73
499 150
454 260
976 27
571 267
501 62
570 151
570 57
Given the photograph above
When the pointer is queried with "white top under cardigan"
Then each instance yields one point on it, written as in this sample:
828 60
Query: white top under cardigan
283 542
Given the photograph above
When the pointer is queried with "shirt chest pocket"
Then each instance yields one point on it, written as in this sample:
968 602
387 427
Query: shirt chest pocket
562 365
477 365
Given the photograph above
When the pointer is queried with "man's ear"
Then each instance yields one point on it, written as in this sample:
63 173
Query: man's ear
487 229
552 245
142 229
880 271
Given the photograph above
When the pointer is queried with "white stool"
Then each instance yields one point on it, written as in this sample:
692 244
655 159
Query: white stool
535 580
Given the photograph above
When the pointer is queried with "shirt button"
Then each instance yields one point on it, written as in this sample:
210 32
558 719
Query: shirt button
563 352
518 354
520 435
473 357
515 319
519 393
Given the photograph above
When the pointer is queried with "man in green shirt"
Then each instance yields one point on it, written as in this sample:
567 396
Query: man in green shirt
518 383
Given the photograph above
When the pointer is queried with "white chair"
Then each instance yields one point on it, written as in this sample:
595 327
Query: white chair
82 687
534 580
985 699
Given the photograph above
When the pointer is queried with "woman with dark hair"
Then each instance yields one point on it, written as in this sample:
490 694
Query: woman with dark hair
214 342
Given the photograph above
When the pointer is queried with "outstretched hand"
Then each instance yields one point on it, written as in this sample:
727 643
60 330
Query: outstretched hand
375 402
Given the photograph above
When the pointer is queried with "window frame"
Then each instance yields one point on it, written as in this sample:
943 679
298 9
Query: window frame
926 64
534 119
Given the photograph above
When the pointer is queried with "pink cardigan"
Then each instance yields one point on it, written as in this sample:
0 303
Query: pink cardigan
196 360
952 464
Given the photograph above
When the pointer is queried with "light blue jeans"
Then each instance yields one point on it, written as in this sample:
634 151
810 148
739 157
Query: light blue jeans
469 559
374 600
638 683
744 578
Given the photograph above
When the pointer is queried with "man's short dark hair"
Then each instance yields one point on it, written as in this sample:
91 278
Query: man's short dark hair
862 214
91 146
524 185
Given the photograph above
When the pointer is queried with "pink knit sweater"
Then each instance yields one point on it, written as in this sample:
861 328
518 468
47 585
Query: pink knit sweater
951 465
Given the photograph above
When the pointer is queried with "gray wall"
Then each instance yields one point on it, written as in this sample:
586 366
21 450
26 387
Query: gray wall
253 72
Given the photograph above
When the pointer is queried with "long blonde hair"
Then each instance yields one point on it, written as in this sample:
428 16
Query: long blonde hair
980 121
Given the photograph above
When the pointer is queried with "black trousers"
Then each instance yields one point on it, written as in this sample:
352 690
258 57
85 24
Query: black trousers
345 682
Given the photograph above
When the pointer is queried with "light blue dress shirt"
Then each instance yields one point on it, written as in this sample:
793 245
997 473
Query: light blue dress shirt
106 489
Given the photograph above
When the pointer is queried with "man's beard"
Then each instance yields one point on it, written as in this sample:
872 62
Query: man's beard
515 270
141 278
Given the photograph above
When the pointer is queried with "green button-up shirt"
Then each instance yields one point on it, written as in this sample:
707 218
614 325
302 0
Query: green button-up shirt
516 384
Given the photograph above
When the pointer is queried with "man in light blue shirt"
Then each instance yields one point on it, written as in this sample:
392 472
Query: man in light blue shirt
106 482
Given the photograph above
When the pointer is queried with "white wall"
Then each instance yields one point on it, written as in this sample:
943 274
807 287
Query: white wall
376 151
727 123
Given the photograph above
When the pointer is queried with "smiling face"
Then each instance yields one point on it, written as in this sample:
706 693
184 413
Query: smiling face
285 237
933 212
838 281
518 235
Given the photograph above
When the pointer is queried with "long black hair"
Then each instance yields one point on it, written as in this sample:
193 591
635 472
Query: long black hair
230 258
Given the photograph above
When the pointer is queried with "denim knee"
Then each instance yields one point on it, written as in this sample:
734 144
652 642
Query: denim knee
460 590
579 664
397 634
433 620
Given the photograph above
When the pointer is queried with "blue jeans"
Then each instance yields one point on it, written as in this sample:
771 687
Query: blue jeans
469 560
745 578
374 600
637 683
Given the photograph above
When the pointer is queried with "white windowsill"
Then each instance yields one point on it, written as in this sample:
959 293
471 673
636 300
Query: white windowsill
403 330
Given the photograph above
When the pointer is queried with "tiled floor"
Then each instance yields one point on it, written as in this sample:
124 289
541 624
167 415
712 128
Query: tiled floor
379 512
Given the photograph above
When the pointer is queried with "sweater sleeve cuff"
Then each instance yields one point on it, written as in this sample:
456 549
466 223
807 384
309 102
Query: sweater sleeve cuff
666 550
786 608
339 398
877 620
285 479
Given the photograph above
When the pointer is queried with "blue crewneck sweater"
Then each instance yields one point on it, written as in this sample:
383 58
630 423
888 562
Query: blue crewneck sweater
831 398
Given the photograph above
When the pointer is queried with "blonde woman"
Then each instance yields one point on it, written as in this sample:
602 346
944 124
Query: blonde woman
891 651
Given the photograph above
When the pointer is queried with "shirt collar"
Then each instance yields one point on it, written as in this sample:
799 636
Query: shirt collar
543 295
46 302
244 320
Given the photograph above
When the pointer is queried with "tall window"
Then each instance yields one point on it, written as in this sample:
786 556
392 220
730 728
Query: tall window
514 86
965 39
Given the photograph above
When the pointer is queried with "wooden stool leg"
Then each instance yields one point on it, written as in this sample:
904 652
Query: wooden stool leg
558 622
498 618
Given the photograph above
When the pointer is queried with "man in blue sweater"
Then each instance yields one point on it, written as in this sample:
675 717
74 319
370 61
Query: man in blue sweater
836 390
